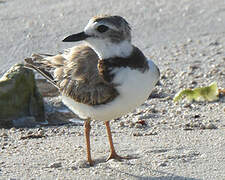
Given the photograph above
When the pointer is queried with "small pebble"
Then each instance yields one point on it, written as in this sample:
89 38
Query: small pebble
74 168
151 133
4 134
202 126
55 165
210 126
82 164
13 129
41 132
122 124
163 164
137 134
131 125
29 132
196 116
137 125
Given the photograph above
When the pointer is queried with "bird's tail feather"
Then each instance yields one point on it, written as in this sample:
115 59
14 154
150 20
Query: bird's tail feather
37 63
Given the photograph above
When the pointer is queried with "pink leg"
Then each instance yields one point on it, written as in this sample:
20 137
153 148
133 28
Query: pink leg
87 129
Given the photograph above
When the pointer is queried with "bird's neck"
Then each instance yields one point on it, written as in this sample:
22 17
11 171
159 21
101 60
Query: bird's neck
106 50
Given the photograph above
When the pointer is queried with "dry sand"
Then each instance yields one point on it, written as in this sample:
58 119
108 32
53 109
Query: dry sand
179 141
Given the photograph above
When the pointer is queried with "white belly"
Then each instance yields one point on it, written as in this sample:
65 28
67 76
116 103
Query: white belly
134 88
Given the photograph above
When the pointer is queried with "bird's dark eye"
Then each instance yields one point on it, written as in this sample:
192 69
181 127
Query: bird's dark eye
102 28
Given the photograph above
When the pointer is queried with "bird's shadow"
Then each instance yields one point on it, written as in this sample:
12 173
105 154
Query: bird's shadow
163 175
103 160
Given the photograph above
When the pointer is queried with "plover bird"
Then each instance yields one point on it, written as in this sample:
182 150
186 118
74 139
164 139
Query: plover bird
102 79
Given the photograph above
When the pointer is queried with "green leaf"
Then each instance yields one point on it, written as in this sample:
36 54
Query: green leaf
208 93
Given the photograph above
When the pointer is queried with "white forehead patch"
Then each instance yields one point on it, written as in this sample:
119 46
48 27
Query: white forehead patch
91 26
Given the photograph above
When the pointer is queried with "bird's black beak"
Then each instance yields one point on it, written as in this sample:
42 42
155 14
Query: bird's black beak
76 37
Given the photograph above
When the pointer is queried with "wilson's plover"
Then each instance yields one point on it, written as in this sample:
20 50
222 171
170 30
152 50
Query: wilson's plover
103 79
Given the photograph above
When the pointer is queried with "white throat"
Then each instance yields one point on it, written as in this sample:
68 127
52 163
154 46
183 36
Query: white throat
108 49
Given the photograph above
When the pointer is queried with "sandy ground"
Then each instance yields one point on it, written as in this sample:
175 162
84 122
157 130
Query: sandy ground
179 141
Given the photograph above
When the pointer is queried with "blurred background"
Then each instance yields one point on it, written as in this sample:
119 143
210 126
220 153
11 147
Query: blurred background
28 26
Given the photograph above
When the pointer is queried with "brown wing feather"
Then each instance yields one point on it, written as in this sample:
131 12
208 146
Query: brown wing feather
76 75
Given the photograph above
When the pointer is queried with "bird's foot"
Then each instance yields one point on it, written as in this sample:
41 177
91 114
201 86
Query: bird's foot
90 162
114 155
